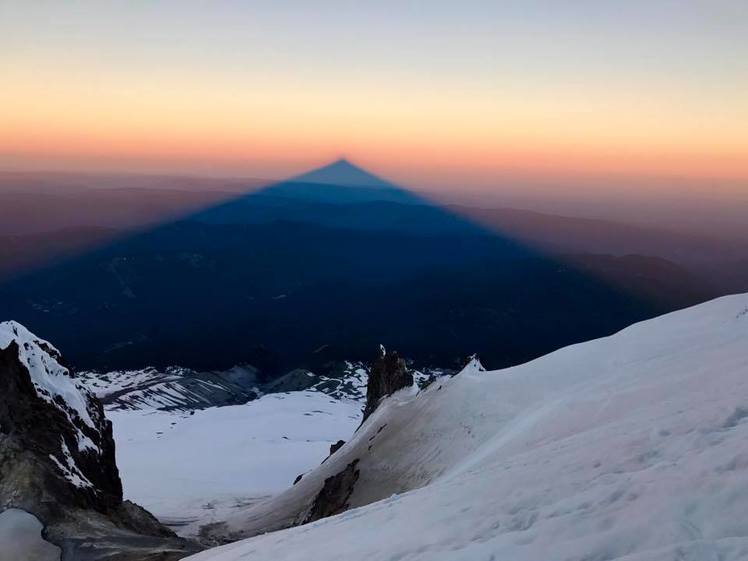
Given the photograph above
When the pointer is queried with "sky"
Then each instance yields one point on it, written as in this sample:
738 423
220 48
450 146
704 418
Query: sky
581 94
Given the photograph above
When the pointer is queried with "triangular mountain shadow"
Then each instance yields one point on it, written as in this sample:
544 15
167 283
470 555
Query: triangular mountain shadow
341 182
324 266
343 173
317 196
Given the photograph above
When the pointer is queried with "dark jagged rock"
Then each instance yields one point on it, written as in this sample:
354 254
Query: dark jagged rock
57 460
337 446
334 448
47 449
333 498
388 374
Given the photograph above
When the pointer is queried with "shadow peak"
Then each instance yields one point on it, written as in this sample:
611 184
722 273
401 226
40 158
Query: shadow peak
342 172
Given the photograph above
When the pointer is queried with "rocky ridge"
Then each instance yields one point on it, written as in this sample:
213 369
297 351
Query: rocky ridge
57 460
182 389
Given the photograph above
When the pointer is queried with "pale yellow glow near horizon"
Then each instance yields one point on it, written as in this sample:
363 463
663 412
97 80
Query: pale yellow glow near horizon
80 109
184 118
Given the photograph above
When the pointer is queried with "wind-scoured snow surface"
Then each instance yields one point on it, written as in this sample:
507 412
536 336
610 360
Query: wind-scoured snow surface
630 448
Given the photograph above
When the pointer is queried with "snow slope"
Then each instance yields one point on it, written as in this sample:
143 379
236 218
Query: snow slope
194 446
630 448
190 464
194 469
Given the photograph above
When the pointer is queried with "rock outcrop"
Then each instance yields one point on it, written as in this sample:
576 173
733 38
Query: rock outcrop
336 446
388 374
333 498
57 460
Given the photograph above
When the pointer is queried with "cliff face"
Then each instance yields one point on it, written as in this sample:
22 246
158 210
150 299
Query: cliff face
47 448
57 457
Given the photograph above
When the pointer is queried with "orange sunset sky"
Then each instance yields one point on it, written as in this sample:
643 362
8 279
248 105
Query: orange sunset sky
443 94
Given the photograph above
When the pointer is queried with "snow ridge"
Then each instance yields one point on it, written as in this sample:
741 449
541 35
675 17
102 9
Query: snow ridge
630 447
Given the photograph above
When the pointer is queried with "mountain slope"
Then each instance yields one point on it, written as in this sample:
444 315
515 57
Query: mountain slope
284 266
174 423
282 291
181 389
628 447
192 469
